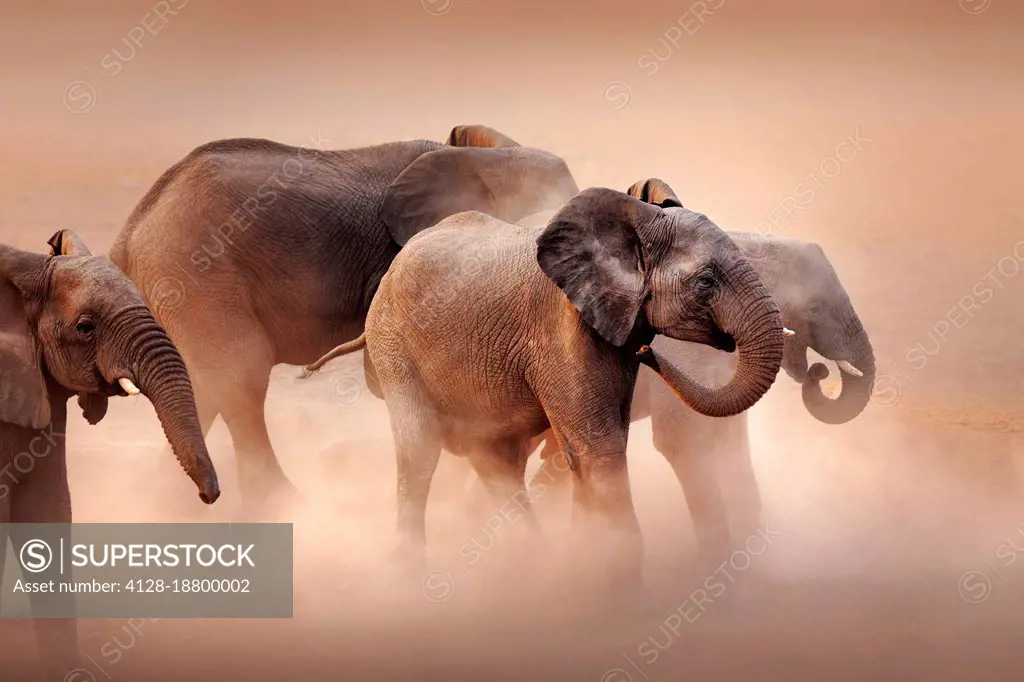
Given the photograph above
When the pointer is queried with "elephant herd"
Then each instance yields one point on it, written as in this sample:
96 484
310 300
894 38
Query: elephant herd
496 305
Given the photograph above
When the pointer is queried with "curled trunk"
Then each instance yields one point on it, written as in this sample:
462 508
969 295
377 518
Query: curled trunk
856 391
746 311
140 350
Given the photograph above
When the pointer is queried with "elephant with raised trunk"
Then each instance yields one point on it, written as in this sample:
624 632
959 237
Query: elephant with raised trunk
74 324
254 253
485 334
711 457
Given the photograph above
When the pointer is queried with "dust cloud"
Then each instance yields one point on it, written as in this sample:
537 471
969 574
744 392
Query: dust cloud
890 543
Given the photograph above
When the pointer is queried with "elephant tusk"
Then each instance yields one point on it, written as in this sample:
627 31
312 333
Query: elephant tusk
849 369
128 386
786 331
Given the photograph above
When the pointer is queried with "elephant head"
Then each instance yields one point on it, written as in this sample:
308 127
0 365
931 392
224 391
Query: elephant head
72 322
814 304
482 170
477 135
633 269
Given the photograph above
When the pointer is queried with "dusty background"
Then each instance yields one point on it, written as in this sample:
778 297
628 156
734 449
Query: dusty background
878 520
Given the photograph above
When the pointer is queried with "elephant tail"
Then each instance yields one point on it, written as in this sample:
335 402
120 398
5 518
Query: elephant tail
337 351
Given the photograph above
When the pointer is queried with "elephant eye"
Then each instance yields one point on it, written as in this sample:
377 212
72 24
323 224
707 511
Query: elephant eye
85 327
705 282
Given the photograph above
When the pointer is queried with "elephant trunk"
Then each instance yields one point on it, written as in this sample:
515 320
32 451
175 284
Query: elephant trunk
747 312
142 352
856 391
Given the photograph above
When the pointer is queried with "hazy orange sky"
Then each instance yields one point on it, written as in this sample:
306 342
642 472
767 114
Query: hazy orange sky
733 102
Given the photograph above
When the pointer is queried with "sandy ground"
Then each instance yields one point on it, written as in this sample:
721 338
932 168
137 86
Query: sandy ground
877 521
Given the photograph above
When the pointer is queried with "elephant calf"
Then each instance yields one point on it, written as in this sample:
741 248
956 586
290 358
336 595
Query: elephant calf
709 454
485 334
74 324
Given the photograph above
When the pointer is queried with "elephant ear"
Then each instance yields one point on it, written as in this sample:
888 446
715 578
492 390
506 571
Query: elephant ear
593 251
477 135
23 396
67 243
655 191
507 183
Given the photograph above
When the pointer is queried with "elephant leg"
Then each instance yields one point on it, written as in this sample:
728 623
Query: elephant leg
694 466
603 511
478 501
44 497
554 471
736 472
502 470
261 479
692 443
603 506
455 477
553 475
417 453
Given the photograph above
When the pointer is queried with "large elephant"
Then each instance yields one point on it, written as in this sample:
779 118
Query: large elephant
707 453
74 324
484 334
254 253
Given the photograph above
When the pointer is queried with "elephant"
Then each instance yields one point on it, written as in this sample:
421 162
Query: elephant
254 253
74 324
706 452
485 334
